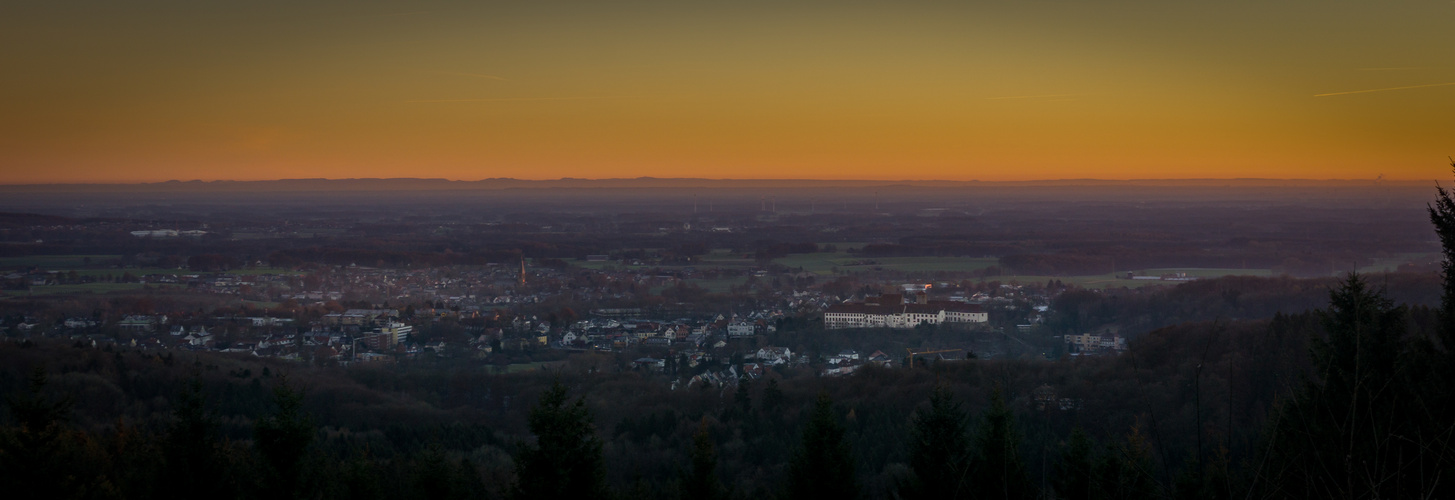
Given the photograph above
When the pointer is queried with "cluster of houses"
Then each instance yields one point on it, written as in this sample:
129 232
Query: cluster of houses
356 334
848 361
607 334
1044 398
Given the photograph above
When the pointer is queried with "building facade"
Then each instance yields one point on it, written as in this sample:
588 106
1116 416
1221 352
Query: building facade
886 313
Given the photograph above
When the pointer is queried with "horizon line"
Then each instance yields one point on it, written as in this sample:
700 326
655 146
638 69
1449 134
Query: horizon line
708 179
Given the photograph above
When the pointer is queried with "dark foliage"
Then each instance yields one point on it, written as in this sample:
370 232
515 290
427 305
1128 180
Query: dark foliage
1362 425
566 461
823 465
701 481
997 468
283 440
939 450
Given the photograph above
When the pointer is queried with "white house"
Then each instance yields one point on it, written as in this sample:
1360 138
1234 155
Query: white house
774 355
740 329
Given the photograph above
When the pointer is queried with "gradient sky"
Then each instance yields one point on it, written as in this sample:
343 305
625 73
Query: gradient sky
990 90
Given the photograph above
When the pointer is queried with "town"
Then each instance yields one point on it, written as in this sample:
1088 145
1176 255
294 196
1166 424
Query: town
355 314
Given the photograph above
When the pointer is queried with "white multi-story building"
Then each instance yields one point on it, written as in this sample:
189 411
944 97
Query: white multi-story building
388 335
889 311
1087 342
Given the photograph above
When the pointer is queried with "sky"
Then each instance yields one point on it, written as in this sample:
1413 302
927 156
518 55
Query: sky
145 91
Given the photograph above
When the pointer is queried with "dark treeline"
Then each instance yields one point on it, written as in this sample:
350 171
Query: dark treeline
1230 298
1202 410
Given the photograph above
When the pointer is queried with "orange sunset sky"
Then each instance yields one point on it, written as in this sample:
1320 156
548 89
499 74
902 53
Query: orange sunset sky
142 91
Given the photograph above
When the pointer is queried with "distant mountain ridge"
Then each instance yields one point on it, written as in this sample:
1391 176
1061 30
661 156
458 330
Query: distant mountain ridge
429 184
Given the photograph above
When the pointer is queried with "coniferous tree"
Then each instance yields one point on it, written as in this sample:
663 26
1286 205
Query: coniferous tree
467 481
282 440
743 399
1442 215
361 480
1125 471
701 482
567 460
1439 395
939 450
35 454
194 467
823 466
772 397
435 478
1357 428
997 469
1074 477
36 411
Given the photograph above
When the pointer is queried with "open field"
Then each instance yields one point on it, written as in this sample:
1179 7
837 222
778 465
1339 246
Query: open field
1095 281
1392 263
135 271
1203 272
1117 280
595 266
54 261
255 271
715 258
718 285
825 263
87 288
724 258
143 271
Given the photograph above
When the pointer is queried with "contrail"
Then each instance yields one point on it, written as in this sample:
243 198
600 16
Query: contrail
1382 90
477 75
1028 96
511 99
1401 68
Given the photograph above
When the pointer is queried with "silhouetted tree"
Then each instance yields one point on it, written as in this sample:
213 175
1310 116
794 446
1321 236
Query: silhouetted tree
823 466
1125 471
1074 478
567 460
997 468
1442 215
435 478
743 399
701 482
1357 428
939 450
36 455
772 398
194 467
282 440
361 479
